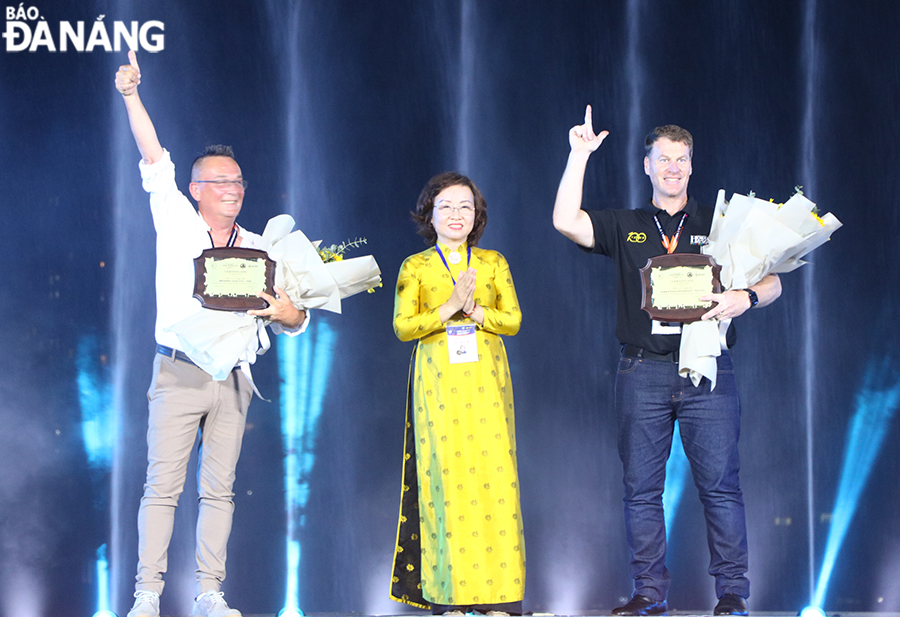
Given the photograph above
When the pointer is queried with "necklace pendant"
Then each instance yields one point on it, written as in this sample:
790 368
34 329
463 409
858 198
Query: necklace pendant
454 258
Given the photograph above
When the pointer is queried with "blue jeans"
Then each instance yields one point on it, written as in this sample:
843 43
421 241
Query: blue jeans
650 396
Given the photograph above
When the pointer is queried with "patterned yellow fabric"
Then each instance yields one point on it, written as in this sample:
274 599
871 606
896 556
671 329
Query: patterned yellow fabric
472 542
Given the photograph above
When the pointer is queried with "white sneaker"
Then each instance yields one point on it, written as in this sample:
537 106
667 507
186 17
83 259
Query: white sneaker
146 604
212 604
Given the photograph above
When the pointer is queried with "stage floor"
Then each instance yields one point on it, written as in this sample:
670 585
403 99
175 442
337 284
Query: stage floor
602 614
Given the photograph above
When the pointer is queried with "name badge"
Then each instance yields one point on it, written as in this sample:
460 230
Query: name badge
662 327
462 344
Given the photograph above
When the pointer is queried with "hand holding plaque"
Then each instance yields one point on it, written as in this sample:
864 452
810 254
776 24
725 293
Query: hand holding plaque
230 278
672 285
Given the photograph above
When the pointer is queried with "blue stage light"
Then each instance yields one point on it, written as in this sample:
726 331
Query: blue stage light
99 430
102 572
876 403
304 363
812 611
677 471
98 420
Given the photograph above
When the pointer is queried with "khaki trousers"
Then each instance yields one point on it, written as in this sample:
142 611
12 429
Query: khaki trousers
184 399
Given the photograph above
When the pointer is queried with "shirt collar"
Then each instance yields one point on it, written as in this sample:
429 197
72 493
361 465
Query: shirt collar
690 207
461 249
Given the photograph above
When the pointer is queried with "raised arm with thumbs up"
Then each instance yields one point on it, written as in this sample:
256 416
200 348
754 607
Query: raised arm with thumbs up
128 77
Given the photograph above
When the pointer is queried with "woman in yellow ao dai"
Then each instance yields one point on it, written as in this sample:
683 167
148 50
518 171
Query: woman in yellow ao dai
460 538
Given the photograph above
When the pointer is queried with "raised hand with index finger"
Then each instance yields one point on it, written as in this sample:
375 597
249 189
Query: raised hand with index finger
582 137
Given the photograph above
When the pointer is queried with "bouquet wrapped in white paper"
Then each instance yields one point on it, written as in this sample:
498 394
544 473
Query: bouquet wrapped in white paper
750 238
217 341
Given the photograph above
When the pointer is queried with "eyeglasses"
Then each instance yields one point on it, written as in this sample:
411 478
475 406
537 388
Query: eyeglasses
224 184
464 209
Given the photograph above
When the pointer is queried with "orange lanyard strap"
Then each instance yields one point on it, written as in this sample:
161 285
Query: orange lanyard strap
670 244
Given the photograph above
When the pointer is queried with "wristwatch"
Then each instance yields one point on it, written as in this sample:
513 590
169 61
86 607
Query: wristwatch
754 299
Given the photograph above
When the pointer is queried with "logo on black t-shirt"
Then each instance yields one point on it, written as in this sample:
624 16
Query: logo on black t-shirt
638 237
699 240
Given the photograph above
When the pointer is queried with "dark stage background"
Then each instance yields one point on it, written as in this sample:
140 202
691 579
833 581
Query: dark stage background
339 111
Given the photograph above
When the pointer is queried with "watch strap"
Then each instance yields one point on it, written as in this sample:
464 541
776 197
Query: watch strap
754 299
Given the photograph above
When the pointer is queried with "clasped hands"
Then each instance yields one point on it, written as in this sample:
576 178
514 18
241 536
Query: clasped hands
463 296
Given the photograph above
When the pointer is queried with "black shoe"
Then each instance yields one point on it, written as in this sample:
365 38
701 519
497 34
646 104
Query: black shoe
731 604
642 605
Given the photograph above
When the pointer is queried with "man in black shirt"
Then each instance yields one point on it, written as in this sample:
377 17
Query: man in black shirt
650 394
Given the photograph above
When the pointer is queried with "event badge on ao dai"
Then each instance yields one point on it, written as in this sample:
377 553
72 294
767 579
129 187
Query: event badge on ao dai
462 344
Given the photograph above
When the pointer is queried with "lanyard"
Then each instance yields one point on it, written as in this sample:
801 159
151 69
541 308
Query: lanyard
231 240
441 253
668 244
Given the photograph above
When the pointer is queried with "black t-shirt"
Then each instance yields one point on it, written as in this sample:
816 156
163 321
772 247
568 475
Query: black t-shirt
630 238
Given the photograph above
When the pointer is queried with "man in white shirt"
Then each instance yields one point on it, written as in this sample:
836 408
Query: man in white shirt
183 397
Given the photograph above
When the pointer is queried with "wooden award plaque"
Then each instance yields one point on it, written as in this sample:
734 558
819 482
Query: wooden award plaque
673 284
229 278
